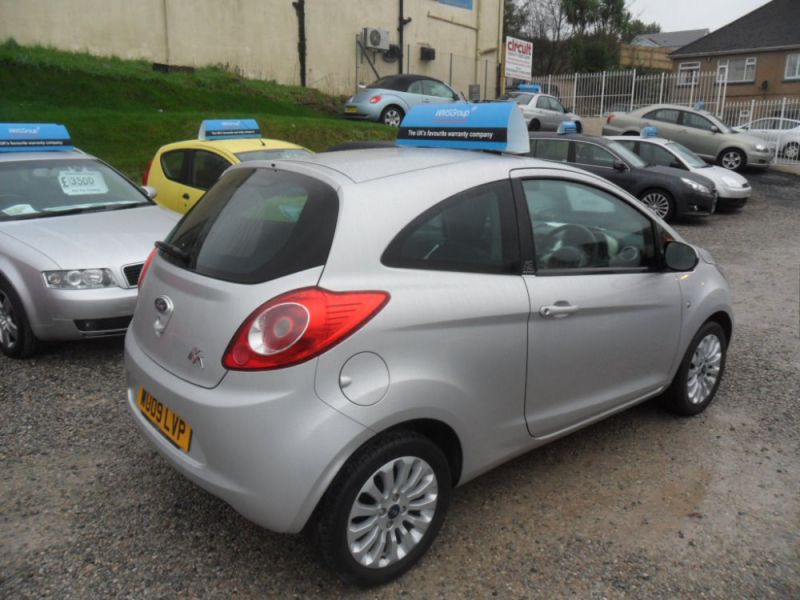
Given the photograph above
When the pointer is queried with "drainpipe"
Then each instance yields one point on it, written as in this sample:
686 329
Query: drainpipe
401 24
300 9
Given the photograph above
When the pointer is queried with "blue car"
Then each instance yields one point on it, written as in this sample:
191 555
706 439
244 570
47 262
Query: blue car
390 98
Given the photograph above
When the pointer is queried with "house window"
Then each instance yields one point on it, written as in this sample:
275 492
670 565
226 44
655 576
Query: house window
792 66
740 70
688 73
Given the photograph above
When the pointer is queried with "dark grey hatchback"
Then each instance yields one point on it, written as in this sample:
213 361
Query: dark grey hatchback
669 192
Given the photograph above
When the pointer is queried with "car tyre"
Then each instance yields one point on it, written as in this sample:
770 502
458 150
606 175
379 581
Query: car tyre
384 508
791 151
698 377
732 159
534 125
392 116
16 336
660 202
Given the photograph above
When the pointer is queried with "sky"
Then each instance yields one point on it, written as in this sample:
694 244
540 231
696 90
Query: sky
679 15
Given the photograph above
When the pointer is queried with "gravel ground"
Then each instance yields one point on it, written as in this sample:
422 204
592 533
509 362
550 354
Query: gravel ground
643 505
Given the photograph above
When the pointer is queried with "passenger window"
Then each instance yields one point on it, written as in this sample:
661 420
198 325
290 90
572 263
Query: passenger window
576 226
434 88
474 231
595 156
655 155
206 169
667 115
556 105
172 165
543 102
696 121
415 87
552 150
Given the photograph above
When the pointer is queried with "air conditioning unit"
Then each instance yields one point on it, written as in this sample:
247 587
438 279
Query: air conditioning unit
375 38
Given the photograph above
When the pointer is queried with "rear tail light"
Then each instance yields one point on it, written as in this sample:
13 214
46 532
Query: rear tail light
146 266
609 119
374 99
146 175
298 326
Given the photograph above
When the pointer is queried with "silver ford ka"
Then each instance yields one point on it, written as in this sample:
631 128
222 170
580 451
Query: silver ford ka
334 345
74 235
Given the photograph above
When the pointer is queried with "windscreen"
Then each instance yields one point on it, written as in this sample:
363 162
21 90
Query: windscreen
33 189
273 154
256 225
689 157
629 157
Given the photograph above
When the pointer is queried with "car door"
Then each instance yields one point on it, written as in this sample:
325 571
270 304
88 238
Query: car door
697 133
655 155
416 94
546 115
596 159
605 319
559 113
436 91
171 179
665 120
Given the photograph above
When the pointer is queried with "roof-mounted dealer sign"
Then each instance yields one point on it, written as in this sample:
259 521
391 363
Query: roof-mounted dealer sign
519 59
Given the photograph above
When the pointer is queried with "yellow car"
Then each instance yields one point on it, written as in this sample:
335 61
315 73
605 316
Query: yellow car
182 172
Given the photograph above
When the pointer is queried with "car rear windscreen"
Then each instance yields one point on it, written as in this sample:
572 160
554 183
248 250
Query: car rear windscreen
256 225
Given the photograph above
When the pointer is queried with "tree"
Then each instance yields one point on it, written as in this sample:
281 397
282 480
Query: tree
515 18
636 27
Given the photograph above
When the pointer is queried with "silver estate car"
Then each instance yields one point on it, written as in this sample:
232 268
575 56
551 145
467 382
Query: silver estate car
733 190
334 344
698 130
74 234
542 112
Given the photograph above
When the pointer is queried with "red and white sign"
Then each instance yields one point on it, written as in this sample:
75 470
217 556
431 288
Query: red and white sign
519 58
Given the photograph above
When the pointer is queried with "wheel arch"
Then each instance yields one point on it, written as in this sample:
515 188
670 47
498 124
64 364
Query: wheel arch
729 148
725 321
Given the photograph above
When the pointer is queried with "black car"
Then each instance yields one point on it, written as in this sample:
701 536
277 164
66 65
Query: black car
669 192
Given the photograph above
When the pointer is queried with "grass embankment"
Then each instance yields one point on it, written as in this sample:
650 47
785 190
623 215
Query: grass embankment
122 110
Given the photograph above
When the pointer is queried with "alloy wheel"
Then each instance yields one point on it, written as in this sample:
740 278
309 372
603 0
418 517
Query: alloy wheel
732 160
392 511
657 202
8 323
704 369
392 117
791 151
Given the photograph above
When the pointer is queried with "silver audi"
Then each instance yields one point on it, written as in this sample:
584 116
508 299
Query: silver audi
334 345
74 235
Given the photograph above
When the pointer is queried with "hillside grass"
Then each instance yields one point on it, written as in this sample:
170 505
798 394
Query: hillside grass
122 111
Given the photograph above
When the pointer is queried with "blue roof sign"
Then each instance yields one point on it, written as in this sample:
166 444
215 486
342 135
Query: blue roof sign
228 129
497 126
34 137
567 127
649 132
533 88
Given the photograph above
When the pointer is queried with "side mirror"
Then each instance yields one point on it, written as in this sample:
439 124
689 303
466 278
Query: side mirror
714 129
620 166
680 257
150 191
676 164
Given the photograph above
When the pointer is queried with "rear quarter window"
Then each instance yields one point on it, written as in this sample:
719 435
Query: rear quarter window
256 225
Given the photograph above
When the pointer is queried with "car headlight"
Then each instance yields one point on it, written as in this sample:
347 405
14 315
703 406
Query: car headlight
731 182
697 187
759 148
79 279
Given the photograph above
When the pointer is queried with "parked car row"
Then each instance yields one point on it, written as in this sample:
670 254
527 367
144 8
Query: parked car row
378 325
698 130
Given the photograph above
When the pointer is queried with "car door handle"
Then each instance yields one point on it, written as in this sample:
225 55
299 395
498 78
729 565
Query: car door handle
559 310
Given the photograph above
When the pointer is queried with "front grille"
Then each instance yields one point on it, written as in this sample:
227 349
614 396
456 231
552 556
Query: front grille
132 273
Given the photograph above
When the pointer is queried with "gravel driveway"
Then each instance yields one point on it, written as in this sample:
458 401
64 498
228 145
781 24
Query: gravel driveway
641 505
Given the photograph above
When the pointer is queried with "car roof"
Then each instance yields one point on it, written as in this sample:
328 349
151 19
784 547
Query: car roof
580 137
635 138
360 166
44 155
232 146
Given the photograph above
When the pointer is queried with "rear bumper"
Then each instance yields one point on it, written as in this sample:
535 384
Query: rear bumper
369 112
262 442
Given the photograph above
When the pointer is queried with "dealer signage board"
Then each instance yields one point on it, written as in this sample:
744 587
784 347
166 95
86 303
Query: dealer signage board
519 58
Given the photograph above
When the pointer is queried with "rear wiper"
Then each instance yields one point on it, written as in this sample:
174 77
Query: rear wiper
174 251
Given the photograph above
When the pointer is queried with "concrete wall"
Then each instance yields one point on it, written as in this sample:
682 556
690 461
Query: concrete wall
259 37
